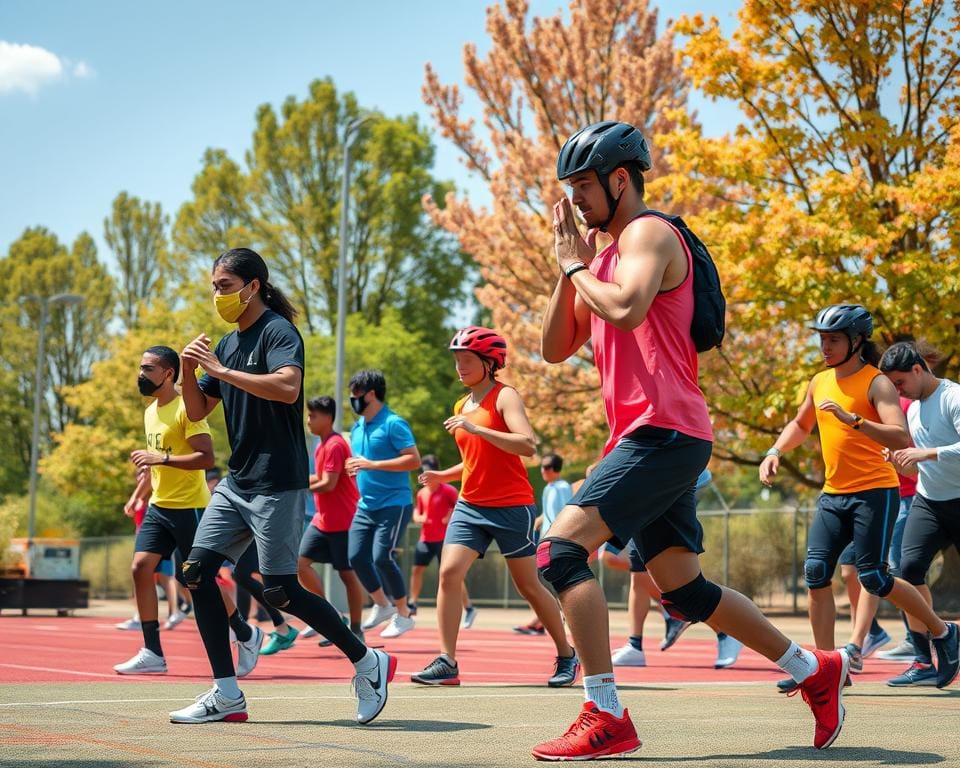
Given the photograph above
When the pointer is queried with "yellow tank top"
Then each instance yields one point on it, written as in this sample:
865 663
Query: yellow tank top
853 461
168 430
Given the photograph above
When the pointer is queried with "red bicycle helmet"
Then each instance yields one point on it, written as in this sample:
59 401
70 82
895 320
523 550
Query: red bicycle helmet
483 342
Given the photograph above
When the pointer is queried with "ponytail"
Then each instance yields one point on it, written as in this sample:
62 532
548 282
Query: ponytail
273 297
870 353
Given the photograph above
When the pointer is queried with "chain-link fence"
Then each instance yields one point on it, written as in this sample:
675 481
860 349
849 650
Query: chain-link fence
759 552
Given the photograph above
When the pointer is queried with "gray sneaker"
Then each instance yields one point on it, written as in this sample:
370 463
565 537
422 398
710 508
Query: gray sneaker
903 651
916 674
728 651
855 656
565 671
371 687
248 653
210 707
146 662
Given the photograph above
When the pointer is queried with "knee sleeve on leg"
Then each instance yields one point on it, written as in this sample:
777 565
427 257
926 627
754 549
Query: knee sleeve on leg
694 601
276 596
815 572
202 564
876 581
563 563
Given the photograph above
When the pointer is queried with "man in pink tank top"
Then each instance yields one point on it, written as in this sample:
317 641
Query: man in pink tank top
634 301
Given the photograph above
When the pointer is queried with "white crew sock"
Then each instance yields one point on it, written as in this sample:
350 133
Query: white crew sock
228 687
367 664
602 691
798 663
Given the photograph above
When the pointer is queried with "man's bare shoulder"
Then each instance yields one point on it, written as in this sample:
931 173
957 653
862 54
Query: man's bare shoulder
649 236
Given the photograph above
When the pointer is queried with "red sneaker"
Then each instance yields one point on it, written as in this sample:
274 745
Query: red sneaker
593 734
823 692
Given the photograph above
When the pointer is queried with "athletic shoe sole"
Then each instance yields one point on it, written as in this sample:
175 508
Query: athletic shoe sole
614 749
445 681
230 717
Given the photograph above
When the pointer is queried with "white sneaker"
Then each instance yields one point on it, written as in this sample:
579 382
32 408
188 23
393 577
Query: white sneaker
248 653
212 706
146 662
174 619
308 632
728 651
903 651
371 687
628 656
377 615
398 625
130 624
469 616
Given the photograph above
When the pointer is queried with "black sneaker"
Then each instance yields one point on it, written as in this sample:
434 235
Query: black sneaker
438 672
413 608
565 671
674 628
948 656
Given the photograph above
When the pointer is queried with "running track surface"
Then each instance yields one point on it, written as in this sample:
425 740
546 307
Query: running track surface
83 650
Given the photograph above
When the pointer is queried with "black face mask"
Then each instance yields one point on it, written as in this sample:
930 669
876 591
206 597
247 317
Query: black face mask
146 386
358 404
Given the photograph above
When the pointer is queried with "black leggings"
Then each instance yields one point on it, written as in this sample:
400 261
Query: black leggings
243 575
931 526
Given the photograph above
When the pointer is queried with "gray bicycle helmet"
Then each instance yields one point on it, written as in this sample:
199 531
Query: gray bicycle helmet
851 319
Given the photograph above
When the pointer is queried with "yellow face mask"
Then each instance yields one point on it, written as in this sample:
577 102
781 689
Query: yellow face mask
230 306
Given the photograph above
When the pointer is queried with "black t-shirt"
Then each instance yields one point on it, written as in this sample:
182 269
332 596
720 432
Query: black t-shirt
266 436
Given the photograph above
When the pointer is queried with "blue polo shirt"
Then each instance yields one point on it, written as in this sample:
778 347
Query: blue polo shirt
383 437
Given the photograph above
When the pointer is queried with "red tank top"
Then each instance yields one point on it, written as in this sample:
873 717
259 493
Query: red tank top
649 375
491 476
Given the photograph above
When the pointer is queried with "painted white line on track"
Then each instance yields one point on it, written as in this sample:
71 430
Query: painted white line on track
394 696
114 676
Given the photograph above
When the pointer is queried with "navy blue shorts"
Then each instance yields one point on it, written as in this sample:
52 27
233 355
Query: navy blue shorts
645 490
863 520
165 531
326 547
426 551
849 555
476 527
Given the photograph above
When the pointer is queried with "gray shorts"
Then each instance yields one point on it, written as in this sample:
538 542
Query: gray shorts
475 527
273 521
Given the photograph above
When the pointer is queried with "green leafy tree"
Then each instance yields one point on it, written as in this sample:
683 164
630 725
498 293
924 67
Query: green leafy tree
286 204
38 265
136 232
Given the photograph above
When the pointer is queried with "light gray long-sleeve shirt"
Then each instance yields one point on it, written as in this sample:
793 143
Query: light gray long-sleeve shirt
935 423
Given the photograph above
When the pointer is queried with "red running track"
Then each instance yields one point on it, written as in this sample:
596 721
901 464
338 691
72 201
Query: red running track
83 650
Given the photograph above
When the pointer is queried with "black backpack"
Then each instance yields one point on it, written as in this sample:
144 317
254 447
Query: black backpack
709 306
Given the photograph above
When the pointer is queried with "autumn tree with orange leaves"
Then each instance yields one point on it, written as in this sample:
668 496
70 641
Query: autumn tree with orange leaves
543 79
840 185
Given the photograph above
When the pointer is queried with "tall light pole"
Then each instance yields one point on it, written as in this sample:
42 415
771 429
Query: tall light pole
45 303
348 136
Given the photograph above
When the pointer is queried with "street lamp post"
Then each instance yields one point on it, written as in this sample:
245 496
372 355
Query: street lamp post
349 135
45 302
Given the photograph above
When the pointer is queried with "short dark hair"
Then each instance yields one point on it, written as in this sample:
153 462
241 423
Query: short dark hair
370 381
168 359
636 176
323 404
901 357
430 462
552 461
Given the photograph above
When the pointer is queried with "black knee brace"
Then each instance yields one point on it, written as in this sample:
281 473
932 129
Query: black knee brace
877 581
695 601
563 563
816 573
201 564
276 596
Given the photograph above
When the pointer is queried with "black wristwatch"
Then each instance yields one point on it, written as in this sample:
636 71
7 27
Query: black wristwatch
577 266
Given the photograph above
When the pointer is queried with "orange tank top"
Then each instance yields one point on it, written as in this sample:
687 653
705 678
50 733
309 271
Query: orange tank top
491 476
853 461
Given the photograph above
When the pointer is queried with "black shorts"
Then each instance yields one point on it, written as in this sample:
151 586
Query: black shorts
849 555
864 518
326 547
644 490
164 531
931 526
426 551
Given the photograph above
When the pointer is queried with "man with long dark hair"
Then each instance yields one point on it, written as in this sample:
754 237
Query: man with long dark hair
257 371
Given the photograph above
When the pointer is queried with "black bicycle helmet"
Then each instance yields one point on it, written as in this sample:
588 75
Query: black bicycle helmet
601 148
851 319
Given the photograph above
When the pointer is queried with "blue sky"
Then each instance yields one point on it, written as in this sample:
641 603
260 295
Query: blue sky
116 96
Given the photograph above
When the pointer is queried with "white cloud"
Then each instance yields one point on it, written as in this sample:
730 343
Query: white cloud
82 70
28 68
